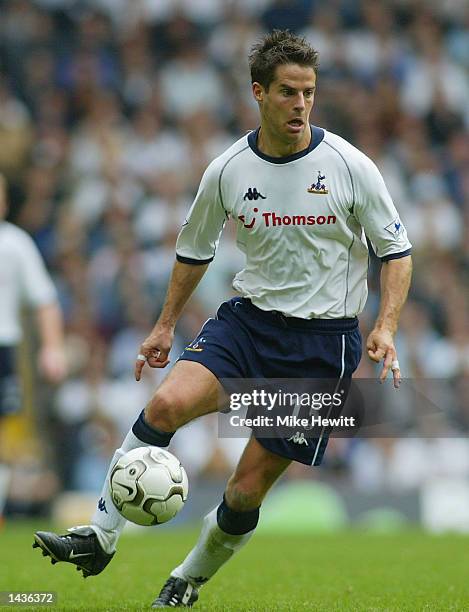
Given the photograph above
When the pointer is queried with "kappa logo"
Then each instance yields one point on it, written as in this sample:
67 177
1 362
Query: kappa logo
102 505
318 186
395 228
253 194
298 438
194 346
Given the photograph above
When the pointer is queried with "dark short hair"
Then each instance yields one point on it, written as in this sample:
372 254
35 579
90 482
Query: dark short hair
276 49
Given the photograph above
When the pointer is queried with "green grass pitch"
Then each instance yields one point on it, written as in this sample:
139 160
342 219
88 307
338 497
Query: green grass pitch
409 571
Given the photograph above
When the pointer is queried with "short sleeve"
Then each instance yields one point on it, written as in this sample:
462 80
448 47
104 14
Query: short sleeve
375 211
198 239
37 288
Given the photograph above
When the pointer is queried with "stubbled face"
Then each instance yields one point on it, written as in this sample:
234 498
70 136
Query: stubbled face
286 106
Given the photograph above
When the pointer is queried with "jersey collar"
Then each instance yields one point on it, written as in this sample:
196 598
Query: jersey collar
317 135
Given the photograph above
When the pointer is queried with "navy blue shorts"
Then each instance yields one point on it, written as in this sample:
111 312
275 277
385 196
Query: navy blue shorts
10 390
244 341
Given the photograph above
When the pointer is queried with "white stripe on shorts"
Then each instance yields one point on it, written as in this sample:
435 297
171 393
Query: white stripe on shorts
335 390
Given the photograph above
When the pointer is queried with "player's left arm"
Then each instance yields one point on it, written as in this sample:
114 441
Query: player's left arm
395 283
375 210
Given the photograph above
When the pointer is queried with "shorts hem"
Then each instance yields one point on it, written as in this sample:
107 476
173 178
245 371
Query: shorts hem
217 375
304 461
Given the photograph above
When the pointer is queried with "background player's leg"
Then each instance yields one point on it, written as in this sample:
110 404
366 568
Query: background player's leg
227 528
189 391
5 476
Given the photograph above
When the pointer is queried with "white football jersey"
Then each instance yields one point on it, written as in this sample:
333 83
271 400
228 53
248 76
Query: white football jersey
302 224
23 281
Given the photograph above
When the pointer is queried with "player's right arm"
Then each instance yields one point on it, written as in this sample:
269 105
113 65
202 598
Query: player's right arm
52 362
195 249
39 293
184 279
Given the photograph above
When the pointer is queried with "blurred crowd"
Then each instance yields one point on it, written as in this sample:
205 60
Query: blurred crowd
110 111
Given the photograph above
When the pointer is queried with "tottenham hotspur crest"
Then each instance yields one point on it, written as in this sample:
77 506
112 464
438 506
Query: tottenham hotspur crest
319 186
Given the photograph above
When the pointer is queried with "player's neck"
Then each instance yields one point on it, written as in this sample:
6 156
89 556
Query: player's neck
268 144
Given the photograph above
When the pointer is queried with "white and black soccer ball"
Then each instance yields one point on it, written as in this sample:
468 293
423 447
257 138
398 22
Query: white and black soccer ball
148 485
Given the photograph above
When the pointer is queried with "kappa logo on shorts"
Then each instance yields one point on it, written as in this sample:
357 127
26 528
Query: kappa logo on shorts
298 438
194 346
318 186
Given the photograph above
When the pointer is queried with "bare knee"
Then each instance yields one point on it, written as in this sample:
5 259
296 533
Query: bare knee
256 472
246 492
165 411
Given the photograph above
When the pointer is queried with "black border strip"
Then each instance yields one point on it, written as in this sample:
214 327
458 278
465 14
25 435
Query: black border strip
350 213
396 255
193 262
317 136
349 172
348 271
221 174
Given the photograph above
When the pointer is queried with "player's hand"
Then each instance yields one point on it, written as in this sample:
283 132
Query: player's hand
155 349
52 364
380 345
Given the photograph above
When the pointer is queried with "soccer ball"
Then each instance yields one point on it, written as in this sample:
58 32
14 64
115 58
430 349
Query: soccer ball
148 485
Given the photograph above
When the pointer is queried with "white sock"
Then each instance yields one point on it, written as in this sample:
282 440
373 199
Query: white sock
106 522
212 550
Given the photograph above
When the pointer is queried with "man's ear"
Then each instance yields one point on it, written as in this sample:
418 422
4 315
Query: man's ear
258 91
